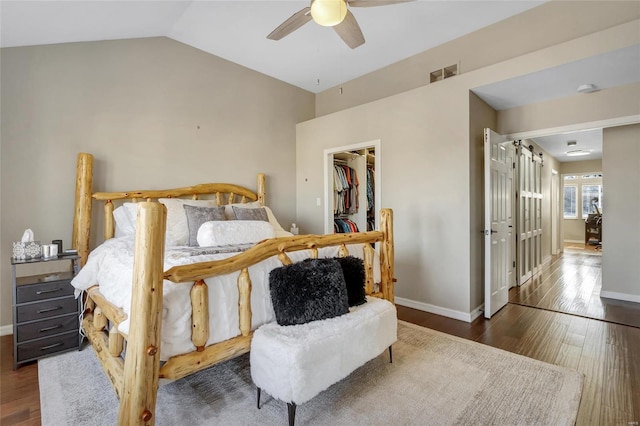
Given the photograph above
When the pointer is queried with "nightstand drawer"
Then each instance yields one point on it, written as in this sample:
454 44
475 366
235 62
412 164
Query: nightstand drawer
48 346
33 292
46 309
40 329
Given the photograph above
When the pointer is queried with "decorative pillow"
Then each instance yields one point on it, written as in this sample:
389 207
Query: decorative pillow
196 216
123 221
222 233
280 231
353 271
311 290
177 226
250 214
228 208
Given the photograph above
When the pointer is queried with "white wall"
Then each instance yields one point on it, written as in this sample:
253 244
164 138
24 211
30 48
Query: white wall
621 217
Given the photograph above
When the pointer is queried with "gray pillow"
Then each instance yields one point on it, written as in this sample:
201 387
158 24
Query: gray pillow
250 214
196 216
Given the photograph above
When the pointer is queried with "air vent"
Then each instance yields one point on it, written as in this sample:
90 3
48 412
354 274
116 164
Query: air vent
442 73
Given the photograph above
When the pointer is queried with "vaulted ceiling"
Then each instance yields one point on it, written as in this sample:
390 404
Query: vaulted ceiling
313 57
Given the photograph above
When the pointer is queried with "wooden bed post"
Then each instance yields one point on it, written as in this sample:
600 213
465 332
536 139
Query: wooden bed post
142 363
82 210
109 226
261 189
387 255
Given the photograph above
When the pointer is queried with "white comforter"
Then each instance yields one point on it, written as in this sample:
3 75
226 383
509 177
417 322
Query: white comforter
111 267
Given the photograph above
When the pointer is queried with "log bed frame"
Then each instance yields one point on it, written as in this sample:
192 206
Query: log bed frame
135 376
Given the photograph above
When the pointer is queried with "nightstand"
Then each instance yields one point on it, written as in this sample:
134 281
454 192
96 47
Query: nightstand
45 312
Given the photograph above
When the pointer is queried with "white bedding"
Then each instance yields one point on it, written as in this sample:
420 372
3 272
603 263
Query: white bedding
111 267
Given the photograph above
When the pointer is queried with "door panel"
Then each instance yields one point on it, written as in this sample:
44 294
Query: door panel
529 208
498 226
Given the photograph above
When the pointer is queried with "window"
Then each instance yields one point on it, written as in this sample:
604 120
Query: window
570 202
592 176
591 197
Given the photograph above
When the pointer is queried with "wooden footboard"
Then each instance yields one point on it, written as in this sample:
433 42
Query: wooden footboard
135 379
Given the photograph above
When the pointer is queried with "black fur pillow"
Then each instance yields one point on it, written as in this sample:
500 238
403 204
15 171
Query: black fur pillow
311 290
353 271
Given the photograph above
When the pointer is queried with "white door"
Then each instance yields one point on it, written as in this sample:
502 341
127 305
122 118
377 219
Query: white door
498 220
529 202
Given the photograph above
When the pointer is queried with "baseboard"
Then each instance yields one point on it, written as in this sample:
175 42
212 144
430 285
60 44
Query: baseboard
546 261
438 310
6 329
574 241
477 312
620 296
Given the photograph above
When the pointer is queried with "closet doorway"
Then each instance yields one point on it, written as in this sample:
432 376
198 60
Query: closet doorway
347 208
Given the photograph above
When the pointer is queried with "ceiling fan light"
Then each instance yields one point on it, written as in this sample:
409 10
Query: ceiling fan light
328 12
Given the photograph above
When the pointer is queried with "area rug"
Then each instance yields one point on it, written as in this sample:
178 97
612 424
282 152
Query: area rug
435 379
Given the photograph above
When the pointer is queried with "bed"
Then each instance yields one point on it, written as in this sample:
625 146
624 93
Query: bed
128 334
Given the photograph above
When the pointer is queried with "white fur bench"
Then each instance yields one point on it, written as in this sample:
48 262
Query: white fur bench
295 363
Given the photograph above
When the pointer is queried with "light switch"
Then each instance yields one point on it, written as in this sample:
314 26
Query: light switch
318 202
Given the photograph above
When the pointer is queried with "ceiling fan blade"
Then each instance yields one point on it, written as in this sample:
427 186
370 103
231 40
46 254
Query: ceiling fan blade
371 3
296 20
349 31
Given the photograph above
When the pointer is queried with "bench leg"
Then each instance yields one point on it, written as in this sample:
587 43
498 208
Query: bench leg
292 412
390 356
258 398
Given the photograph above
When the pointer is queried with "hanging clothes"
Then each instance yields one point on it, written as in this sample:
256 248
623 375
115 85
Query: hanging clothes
345 189
370 189
343 226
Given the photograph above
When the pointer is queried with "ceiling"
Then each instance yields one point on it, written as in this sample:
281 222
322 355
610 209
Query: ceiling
588 140
616 68
313 57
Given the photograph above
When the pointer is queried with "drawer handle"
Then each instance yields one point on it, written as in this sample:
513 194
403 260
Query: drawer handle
39 292
42 311
44 348
44 330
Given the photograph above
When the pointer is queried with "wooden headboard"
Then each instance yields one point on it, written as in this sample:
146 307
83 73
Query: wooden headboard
225 193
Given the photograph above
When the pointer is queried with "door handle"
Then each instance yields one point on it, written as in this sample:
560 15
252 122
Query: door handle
486 232
494 232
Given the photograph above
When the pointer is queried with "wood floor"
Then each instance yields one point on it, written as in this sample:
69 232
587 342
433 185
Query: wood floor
571 284
608 354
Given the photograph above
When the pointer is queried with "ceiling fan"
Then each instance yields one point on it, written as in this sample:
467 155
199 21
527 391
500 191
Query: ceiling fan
331 13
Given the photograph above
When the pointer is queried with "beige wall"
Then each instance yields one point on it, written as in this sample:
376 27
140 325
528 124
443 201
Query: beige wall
551 23
621 230
586 166
426 155
424 162
154 112
608 104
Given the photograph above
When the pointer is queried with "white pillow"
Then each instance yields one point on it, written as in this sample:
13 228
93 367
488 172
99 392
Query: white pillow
225 232
123 224
228 212
177 225
125 219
